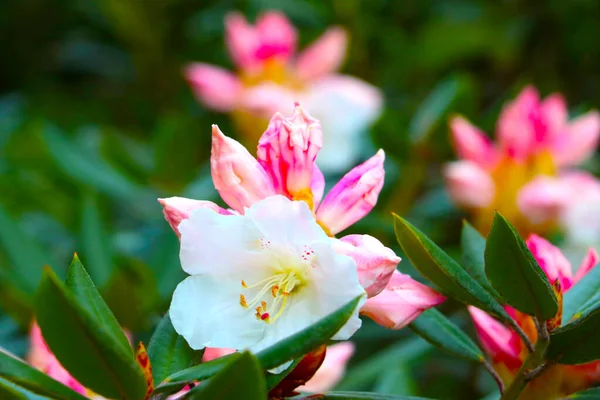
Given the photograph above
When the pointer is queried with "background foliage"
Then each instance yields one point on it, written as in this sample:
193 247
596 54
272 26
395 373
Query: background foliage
96 122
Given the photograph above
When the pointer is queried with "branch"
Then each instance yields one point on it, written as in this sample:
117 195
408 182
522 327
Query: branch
513 324
494 374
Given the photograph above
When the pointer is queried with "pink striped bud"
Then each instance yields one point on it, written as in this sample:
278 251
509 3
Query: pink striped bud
237 176
176 209
354 196
402 300
375 263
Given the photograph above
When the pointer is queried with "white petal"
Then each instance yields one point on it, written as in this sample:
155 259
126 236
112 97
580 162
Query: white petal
218 244
285 221
205 310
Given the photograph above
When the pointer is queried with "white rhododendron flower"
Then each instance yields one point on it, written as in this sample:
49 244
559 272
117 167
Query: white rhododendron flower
260 277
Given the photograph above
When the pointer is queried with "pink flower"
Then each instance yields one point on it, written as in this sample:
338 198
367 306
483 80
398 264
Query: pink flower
402 300
271 75
176 209
332 370
505 347
535 140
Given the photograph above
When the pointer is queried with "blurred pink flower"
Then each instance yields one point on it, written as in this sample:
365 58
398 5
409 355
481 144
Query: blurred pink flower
286 166
271 75
535 141
505 347
332 370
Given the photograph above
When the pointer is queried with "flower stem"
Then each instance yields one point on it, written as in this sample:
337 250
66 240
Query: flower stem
533 366
494 375
513 324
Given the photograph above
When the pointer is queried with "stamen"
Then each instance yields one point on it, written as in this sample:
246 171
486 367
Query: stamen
274 290
243 302
264 316
244 284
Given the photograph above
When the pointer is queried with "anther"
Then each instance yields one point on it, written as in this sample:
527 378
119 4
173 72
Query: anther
274 290
243 302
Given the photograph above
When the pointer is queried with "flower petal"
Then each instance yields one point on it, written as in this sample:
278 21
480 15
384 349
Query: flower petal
237 176
354 196
375 263
578 141
589 262
214 87
543 199
552 261
324 56
206 311
242 41
516 132
332 370
277 36
403 300
471 143
469 185
176 209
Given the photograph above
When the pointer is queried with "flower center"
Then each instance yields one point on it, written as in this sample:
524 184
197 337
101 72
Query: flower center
277 288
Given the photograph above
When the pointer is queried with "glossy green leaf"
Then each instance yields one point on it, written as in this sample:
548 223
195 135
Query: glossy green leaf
95 242
83 345
473 247
359 396
240 379
10 391
576 342
169 352
23 375
590 394
515 274
437 266
438 330
583 291
87 296
287 349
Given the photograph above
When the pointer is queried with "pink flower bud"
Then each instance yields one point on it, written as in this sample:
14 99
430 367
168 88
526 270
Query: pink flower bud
578 141
589 262
402 300
471 143
543 199
354 196
237 176
519 126
551 260
324 56
288 150
214 87
176 209
277 36
502 344
332 370
468 184
375 263
212 353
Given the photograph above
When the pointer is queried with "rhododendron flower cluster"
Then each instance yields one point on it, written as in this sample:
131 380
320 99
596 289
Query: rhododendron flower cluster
508 352
525 174
270 266
271 76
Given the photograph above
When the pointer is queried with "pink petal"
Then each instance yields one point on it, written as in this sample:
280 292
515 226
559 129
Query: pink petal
552 261
317 186
176 209
214 87
211 353
589 262
332 370
324 56
468 184
472 144
237 176
267 98
544 199
403 300
375 263
554 113
502 344
242 41
517 132
578 141
277 36
354 196
288 150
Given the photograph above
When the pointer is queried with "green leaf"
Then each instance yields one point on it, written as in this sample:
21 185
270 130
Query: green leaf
23 375
438 330
95 241
358 396
396 379
26 256
515 274
169 352
576 342
9 391
437 266
240 379
290 348
87 296
576 298
590 394
274 379
473 248
83 345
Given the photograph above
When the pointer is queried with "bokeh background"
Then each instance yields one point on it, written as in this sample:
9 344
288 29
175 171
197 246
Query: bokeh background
96 122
